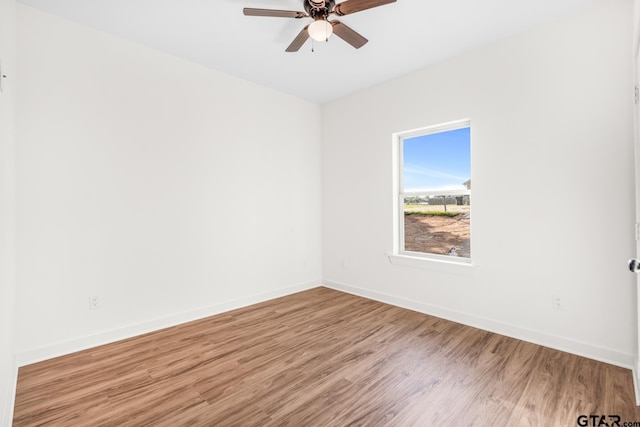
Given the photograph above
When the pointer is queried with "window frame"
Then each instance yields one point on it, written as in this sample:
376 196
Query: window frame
399 195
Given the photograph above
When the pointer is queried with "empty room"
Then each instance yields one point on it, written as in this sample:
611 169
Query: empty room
319 213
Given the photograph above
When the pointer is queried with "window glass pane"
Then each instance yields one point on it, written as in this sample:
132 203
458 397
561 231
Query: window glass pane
437 161
438 225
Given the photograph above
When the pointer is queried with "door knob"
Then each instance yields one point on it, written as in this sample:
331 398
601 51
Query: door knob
634 265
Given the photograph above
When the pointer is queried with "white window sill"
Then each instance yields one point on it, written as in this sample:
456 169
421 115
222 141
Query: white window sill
462 266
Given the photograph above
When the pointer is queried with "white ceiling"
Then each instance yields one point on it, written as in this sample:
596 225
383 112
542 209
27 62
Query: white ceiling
403 36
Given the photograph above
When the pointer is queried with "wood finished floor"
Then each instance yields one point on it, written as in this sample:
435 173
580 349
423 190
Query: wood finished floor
321 358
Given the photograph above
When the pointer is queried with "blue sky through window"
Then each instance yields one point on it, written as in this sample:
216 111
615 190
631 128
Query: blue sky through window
438 161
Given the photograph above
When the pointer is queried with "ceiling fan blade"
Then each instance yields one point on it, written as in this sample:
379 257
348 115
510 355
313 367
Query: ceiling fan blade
297 43
248 11
353 6
352 37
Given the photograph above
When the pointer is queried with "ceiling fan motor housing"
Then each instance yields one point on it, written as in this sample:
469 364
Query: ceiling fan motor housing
319 9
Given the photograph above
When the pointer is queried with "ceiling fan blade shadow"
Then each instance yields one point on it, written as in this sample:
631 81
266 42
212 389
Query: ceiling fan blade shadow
352 37
249 11
353 6
300 39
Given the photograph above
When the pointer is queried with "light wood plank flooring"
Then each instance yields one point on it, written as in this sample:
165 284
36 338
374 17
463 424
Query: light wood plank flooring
321 358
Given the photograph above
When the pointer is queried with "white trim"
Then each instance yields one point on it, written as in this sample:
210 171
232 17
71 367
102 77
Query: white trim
443 263
636 28
579 348
398 185
634 373
442 193
636 125
35 355
399 193
442 127
9 397
411 256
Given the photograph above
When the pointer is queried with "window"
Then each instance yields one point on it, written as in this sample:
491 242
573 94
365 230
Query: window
433 183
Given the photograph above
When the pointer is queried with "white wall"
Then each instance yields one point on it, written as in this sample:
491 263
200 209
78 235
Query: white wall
7 210
169 190
553 195
636 26
173 191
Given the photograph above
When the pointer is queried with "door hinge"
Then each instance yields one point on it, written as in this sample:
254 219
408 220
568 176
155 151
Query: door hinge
636 95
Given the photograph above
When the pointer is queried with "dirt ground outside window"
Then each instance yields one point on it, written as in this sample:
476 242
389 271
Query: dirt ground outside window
436 234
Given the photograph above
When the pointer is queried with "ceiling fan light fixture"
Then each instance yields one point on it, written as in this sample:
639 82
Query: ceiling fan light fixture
320 30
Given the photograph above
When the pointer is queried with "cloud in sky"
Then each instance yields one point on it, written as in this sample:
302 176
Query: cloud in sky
418 170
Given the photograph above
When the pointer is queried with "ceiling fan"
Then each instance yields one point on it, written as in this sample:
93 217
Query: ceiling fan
321 28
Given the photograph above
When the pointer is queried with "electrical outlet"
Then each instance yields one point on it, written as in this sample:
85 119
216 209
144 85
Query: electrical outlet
94 302
556 302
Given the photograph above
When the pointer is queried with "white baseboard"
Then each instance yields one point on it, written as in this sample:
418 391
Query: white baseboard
9 398
63 348
590 351
560 343
636 382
